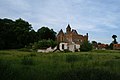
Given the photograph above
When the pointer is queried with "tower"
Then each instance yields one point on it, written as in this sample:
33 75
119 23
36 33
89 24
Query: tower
60 36
68 29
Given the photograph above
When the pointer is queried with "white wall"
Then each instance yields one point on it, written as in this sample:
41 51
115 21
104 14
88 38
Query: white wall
72 47
65 46
46 50
77 46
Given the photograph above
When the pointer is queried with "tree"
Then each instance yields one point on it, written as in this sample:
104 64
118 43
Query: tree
22 29
111 46
19 33
14 34
7 34
44 44
86 46
33 36
99 43
46 33
114 37
94 44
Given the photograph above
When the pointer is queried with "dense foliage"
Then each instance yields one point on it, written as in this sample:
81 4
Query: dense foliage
14 34
43 44
46 33
86 46
19 33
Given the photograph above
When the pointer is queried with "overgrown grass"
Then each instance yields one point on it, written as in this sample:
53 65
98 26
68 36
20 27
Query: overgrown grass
89 74
94 65
27 60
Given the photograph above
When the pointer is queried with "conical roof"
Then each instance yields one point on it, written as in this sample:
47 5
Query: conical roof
68 26
60 32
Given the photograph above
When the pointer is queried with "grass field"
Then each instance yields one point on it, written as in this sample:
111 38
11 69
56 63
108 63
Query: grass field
95 65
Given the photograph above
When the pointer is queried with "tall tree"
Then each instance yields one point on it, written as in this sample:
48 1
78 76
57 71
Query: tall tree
7 34
46 33
14 34
22 32
114 37
18 33
94 44
33 36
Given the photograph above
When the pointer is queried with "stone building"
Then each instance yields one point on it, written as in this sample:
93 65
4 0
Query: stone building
70 40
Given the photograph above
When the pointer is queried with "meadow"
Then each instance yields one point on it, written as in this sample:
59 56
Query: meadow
94 65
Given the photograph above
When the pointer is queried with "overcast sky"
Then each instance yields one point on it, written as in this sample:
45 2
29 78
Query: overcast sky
99 18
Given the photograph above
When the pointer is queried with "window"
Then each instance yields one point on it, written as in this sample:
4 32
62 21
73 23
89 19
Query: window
81 41
62 46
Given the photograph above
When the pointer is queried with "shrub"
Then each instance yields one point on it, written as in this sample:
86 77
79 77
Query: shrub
43 44
86 46
29 46
111 46
52 43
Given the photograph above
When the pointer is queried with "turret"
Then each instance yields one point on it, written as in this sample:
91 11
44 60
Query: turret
68 29
86 34
60 36
60 32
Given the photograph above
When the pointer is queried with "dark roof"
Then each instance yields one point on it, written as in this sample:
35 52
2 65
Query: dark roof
61 31
74 31
68 26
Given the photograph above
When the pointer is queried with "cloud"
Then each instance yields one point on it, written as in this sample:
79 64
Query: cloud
93 16
18 5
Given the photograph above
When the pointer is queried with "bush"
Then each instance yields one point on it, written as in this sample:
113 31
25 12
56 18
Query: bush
86 46
43 44
111 46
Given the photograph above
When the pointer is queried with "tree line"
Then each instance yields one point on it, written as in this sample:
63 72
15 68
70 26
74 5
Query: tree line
15 34
108 46
19 33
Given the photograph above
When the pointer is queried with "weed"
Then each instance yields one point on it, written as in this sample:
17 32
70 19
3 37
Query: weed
6 71
27 60
117 57
32 54
88 74
71 58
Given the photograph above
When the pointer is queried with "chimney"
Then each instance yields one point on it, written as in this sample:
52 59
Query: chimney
86 34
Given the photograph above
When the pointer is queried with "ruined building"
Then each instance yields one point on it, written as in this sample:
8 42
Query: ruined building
70 40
